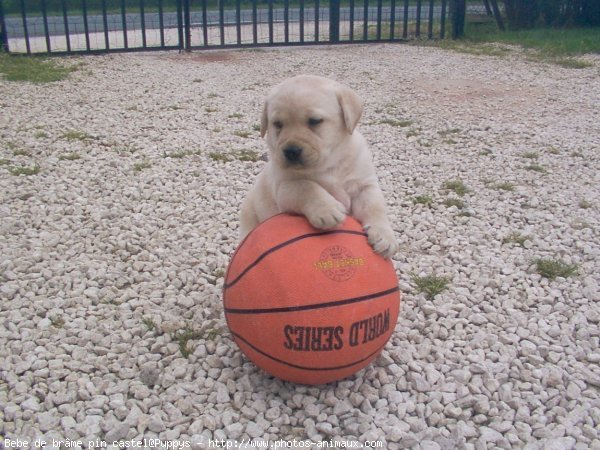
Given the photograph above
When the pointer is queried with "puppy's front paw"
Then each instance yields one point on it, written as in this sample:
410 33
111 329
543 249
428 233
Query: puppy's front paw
326 214
382 239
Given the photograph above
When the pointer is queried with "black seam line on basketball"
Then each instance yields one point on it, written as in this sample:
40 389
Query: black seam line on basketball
286 243
313 306
297 366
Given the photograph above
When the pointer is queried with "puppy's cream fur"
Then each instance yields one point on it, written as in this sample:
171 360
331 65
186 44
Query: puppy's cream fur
319 164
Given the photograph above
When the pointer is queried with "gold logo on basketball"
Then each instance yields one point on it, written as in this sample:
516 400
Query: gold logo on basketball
338 263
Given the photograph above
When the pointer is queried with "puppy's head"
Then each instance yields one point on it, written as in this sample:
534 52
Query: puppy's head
307 119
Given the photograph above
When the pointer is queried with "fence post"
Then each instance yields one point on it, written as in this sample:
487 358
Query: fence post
334 21
458 10
187 25
3 34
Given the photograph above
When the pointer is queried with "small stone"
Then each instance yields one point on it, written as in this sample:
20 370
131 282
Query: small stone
234 430
325 428
48 421
273 413
156 424
149 376
31 404
429 445
254 430
419 382
342 407
117 432
223 394
573 391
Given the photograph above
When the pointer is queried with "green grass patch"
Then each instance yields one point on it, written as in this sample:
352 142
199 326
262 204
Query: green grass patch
242 134
548 42
448 132
505 186
535 168
138 167
247 155
396 123
430 285
554 268
531 155
177 154
20 152
516 238
74 135
20 170
182 337
69 157
456 186
451 201
553 45
220 156
425 200
32 69
150 323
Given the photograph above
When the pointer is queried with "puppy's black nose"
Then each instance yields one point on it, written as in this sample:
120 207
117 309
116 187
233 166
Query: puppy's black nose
293 153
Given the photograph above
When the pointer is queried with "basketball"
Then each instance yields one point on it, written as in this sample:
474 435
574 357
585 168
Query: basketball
310 306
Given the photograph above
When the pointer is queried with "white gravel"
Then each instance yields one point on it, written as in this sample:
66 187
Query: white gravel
102 265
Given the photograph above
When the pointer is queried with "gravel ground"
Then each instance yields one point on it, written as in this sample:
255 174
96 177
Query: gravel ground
113 254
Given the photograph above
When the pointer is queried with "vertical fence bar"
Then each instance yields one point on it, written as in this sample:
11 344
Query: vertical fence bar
66 25
458 12
222 20
334 21
161 23
238 20
86 27
443 21
366 20
181 44
379 11
286 21
25 30
105 24
143 23
124 24
405 19
46 30
204 22
270 21
430 18
317 18
301 19
187 24
418 28
392 19
351 34
254 22
3 33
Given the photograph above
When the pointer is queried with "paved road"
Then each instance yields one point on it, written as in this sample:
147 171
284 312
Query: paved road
114 22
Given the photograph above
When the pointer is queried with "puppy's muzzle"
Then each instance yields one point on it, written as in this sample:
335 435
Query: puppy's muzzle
293 154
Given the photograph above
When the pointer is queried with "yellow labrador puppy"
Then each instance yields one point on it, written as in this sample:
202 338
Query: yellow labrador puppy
319 164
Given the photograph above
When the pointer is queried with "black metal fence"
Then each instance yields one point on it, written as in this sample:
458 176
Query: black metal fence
70 26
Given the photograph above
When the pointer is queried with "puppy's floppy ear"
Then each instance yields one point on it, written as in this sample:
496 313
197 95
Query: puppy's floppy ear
352 107
264 121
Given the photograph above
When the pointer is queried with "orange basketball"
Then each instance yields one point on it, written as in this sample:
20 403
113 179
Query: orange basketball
310 306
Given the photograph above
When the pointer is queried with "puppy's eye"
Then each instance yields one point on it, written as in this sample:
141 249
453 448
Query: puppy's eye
313 121
277 124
